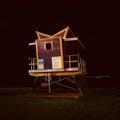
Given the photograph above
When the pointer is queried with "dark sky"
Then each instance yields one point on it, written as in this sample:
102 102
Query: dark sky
92 22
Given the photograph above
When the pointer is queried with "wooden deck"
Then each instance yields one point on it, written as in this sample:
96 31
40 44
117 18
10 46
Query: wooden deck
59 73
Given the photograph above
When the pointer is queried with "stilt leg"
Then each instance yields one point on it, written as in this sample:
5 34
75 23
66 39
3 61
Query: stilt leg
35 83
49 86
81 85
78 84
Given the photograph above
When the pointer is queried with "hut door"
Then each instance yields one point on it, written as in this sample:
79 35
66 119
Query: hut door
56 62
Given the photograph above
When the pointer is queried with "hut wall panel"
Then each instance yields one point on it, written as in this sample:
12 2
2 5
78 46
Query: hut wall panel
47 55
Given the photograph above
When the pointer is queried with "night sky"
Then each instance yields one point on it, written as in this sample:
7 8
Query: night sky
92 22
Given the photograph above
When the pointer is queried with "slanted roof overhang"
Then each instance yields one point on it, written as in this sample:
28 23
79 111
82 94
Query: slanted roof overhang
74 39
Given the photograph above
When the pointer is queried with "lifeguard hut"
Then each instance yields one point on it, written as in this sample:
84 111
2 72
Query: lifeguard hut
59 57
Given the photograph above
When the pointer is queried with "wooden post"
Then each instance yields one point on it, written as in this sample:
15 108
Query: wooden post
49 80
31 64
69 61
78 60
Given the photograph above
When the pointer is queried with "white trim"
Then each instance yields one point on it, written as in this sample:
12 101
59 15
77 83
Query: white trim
71 39
33 43
48 70
51 70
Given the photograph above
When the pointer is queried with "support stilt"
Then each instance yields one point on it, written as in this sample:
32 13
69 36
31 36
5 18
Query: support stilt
35 83
49 86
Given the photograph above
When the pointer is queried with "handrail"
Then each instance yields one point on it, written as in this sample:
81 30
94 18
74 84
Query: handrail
33 63
77 60
31 58
71 55
80 61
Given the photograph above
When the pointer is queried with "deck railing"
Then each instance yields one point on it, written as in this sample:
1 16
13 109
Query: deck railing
71 61
82 65
33 63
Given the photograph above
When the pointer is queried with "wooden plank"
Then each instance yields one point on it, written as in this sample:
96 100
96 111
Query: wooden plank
61 52
32 64
71 61
36 52
71 55
65 31
31 58
33 43
67 73
41 35
56 95
71 39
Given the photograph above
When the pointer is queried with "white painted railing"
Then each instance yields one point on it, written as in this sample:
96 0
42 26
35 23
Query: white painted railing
82 65
72 59
32 63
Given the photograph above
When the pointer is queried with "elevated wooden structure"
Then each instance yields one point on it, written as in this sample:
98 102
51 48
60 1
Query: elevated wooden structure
58 56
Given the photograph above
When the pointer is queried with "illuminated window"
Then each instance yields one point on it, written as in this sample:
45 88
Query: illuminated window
48 46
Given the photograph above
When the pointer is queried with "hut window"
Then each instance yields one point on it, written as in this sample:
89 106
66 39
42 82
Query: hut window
48 45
